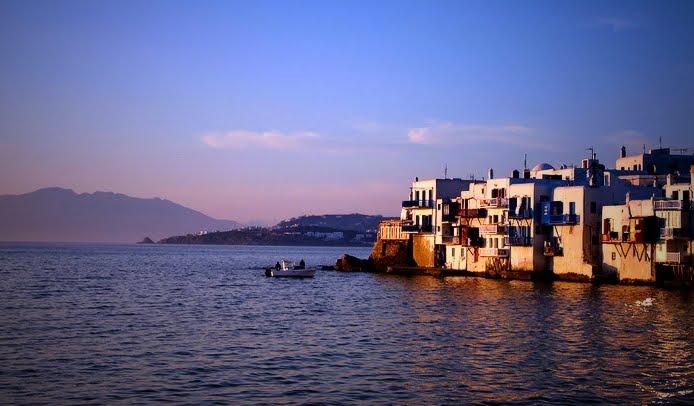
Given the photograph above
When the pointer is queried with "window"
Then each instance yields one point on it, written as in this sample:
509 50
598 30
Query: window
593 207
453 252
606 226
512 204
614 256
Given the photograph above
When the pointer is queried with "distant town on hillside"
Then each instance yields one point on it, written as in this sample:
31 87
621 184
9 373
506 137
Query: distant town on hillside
329 230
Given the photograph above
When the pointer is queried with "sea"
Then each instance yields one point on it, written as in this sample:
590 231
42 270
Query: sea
189 325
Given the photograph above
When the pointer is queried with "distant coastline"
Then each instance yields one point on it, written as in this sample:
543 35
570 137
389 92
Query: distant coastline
332 230
308 236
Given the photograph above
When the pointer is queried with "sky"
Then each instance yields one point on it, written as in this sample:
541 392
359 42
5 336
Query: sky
258 111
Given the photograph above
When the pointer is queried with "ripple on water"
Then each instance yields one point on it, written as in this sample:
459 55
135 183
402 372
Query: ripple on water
133 324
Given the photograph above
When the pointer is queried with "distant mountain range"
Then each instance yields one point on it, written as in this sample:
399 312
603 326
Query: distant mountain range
56 214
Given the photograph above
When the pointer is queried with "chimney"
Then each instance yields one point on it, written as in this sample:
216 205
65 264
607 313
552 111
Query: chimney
491 173
623 153
526 174
515 174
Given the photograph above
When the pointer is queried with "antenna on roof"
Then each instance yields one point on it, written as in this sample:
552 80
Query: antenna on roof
592 152
525 162
660 139
445 171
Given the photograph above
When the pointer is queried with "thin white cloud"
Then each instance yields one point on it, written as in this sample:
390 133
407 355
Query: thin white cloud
633 140
447 133
616 24
242 139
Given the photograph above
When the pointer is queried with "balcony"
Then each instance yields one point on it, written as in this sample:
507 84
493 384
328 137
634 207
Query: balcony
672 232
472 242
472 213
451 239
521 214
560 219
494 252
610 238
494 202
670 205
417 203
517 240
448 218
493 229
674 257
416 228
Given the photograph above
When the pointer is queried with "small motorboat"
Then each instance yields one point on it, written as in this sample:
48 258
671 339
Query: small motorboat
287 269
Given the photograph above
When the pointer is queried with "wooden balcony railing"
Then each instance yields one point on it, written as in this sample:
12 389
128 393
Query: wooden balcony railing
451 239
520 215
417 228
417 203
494 202
560 219
669 204
672 232
516 240
493 229
494 252
674 257
472 213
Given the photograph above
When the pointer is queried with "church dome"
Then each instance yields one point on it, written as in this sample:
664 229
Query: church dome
542 167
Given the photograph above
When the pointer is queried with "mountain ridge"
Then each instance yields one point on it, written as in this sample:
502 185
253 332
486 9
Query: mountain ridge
61 215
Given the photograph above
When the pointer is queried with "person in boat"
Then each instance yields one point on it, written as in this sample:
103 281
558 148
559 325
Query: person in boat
302 264
278 266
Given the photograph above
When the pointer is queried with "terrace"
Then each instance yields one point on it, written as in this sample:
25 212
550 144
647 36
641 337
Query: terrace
494 252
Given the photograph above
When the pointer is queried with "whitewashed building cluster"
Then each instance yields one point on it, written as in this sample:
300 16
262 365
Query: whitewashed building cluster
631 224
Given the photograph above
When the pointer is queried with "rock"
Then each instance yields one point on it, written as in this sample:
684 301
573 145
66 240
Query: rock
146 240
349 263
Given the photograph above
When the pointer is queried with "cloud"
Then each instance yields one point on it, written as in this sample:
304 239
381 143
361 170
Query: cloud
447 133
632 139
241 139
616 24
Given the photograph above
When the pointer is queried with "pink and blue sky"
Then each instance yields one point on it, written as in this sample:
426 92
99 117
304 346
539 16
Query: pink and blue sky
264 110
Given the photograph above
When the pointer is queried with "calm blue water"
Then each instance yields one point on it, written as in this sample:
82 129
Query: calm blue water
96 324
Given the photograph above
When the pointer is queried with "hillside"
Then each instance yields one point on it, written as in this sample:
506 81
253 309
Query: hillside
330 229
353 222
307 236
56 214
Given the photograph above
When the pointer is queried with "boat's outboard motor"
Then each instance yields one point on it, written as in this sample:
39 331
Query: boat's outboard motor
268 272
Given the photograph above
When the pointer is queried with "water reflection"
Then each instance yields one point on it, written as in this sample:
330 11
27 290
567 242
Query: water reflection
189 325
